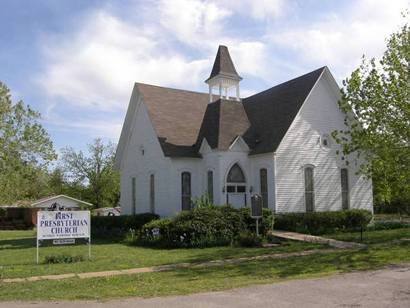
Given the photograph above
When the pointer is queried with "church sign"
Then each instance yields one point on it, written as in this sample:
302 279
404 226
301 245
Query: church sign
63 227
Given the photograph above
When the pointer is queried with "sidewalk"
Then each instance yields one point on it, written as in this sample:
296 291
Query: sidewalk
317 239
169 267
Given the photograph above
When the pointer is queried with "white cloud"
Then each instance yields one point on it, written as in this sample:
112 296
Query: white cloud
340 39
260 10
193 22
97 65
173 43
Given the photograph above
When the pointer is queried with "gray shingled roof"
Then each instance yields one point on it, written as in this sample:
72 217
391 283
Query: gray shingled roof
182 119
223 64
272 111
224 120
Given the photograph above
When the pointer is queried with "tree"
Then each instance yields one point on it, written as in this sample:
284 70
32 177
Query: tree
376 101
25 151
94 170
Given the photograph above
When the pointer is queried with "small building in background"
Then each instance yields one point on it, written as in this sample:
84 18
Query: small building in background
107 211
23 215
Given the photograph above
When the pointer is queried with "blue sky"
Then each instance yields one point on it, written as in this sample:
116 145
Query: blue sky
76 61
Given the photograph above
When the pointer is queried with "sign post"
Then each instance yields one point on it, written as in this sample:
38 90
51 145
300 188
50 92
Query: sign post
63 227
256 209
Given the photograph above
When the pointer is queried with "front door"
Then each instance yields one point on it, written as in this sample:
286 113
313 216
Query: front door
236 195
236 187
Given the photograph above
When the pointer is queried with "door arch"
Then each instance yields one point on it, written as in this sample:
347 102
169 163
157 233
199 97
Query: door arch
236 186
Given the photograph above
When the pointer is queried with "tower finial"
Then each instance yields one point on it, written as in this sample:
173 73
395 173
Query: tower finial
223 74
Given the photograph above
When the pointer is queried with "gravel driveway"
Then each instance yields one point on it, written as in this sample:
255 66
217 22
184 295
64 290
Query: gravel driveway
384 288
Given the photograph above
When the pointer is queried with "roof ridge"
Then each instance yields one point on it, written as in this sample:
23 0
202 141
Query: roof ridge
289 81
169 88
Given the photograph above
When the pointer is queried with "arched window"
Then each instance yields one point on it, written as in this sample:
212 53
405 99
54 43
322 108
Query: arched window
236 175
309 189
186 191
152 193
263 179
235 180
210 180
344 178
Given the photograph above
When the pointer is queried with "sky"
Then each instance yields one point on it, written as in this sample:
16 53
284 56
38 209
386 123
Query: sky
76 61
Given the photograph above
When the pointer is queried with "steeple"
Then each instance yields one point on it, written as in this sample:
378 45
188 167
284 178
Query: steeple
223 75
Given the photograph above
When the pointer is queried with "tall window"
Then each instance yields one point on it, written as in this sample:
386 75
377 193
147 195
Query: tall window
210 177
186 190
263 178
309 190
344 177
152 193
133 196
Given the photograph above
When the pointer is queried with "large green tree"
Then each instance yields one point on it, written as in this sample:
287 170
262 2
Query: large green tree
376 101
95 171
25 151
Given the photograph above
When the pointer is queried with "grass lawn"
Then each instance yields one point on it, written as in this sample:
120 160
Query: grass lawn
392 217
373 237
18 253
385 248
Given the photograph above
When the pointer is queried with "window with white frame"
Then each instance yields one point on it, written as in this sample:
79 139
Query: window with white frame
263 180
210 182
186 191
152 193
344 179
309 189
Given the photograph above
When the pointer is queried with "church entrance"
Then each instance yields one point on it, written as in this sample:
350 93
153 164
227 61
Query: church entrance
236 187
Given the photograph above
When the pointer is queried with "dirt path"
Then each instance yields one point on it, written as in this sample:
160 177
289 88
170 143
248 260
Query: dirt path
384 288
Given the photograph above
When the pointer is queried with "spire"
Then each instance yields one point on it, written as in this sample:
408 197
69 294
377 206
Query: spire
223 74
223 64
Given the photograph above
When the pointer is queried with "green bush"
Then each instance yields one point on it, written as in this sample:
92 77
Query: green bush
389 225
202 227
55 259
323 222
248 239
102 226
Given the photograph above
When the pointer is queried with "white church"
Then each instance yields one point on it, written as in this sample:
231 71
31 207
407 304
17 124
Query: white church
176 145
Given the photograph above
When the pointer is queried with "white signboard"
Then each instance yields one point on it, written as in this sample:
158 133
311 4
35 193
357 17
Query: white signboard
63 224
63 227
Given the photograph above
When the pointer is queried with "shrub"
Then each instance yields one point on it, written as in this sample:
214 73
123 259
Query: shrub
248 239
265 223
119 225
323 222
54 259
202 227
389 225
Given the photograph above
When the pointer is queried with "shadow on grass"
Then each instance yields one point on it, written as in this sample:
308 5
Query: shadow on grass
290 267
21 243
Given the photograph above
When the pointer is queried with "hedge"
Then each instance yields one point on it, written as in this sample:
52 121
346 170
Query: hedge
118 225
201 227
323 222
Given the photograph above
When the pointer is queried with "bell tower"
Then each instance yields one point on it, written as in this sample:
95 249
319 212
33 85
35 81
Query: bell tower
223 76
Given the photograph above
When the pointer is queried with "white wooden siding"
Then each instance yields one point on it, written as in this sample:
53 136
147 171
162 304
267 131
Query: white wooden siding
301 146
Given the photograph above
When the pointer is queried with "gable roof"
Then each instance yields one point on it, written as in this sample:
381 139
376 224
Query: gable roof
39 202
272 111
223 64
223 122
176 116
182 119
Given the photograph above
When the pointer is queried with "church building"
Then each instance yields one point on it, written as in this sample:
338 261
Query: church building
176 145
